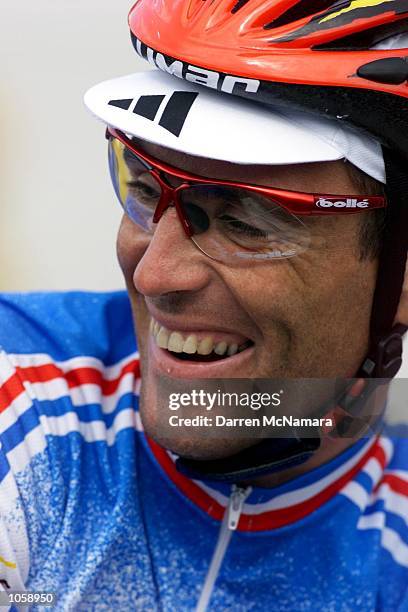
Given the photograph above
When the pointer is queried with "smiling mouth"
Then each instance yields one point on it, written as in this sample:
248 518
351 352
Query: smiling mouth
199 347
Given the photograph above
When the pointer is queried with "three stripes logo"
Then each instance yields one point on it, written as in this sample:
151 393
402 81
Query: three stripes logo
172 117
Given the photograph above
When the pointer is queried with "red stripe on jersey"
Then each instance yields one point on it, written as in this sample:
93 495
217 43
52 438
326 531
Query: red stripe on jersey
279 518
186 486
397 484
13 387
267 520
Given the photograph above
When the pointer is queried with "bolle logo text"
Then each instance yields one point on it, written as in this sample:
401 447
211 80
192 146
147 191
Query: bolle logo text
347 203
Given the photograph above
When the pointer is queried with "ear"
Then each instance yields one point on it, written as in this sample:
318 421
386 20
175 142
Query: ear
402 312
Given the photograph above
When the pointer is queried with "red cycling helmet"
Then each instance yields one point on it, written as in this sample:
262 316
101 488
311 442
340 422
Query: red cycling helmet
317 54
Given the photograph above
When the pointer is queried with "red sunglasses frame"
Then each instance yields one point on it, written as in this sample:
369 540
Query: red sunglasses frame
295 202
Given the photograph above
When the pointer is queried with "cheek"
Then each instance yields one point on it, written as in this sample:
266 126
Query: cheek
312 314
331 329
130 246
269 294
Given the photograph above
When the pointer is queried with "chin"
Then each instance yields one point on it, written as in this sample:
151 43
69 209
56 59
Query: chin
186 445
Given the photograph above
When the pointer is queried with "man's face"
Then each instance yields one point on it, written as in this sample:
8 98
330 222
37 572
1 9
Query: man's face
302 317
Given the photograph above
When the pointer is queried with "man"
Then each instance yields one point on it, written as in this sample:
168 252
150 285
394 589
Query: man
230 247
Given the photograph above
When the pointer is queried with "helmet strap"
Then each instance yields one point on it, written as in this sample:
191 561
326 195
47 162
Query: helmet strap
267 457
385 355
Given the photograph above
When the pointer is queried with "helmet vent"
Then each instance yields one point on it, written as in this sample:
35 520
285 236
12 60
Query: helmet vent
302 9
238 5
393 70
359 41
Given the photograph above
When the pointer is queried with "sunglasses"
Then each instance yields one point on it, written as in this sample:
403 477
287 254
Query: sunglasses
228 221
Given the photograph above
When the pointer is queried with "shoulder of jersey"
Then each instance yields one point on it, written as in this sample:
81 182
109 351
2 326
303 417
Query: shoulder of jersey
65 325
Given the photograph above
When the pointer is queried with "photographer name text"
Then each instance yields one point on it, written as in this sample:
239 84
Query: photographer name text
265 421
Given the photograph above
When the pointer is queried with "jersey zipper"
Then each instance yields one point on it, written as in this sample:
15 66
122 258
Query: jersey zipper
229 524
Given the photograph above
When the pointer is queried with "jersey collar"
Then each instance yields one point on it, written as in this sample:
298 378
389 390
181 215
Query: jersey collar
272 508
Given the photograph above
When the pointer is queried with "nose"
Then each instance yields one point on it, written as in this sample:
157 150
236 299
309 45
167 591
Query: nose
171 262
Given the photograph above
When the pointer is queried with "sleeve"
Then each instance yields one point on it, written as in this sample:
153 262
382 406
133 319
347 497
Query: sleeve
46 338
14 549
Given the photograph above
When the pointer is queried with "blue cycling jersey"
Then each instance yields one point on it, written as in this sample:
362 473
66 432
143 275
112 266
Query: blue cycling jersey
94 511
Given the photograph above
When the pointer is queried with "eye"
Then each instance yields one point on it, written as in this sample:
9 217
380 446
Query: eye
144 190
243 228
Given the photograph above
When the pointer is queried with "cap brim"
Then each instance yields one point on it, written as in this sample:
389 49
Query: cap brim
167 111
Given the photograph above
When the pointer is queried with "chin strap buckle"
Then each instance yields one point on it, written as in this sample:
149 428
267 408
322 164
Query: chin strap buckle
378 369
386 359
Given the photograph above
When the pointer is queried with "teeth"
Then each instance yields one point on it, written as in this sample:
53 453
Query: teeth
190 345
162 338
175 342
244 346
232 349
220 348
205 346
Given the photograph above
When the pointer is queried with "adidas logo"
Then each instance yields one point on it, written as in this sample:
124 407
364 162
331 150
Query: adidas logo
172 117
348 203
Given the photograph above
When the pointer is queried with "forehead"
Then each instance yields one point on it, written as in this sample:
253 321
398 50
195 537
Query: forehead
329 176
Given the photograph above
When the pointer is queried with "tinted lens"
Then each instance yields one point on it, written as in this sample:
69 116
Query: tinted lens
137 190
241 224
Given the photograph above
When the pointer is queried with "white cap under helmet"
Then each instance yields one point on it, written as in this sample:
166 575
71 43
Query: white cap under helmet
182 115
